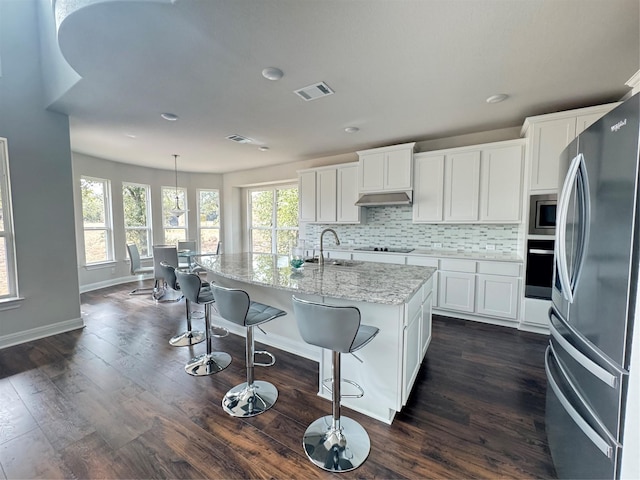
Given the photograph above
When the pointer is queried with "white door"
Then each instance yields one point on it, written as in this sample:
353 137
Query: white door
501 184
462 186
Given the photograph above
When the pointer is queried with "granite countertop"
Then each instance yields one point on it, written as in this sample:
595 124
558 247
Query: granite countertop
369 282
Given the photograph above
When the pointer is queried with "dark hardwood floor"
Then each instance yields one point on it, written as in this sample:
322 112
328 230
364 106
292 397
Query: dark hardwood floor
113 401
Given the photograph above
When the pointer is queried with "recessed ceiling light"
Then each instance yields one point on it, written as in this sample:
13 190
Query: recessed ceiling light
497 98
352 129
130 135
272 73
172 117
263 148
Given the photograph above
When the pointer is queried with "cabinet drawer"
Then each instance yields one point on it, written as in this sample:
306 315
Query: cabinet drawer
499 268
423 261
452 265
339 254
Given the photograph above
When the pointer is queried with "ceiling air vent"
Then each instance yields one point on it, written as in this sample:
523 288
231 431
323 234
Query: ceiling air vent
239 139
314 91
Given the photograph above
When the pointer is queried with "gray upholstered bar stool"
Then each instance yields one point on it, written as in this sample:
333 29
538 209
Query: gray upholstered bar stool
189 337
210 362
253 396
334 443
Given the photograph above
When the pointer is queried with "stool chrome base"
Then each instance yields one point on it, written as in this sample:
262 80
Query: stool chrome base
336 450
245 401
186 339
208 364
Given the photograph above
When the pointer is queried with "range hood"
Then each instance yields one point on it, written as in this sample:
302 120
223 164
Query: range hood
384 198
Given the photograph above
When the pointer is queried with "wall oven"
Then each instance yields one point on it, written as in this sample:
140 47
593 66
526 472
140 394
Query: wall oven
542 214
539 276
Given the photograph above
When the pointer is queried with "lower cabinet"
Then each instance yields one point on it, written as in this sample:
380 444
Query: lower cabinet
412 354
425 328
497 296
481 289
456 291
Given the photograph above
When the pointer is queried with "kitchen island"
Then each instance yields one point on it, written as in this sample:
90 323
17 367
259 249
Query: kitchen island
394 298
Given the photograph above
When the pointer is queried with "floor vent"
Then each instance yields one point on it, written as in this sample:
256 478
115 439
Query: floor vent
314 91
239 139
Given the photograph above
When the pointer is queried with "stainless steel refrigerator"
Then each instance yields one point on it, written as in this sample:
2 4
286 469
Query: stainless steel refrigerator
594 295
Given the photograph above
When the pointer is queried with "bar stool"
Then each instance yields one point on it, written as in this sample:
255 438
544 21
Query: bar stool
210 362
253 396
334 443
189 337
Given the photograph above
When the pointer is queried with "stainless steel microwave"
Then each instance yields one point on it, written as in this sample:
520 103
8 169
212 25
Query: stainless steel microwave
542 214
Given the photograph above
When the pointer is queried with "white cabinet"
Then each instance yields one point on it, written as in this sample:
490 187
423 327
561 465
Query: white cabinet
425 328
482 288
477 184
428 188
501 183
497 296
412 352
326 191
461 186
548 135
348 194
386 168
328 194
456 291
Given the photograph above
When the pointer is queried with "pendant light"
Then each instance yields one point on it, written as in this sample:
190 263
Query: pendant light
176 211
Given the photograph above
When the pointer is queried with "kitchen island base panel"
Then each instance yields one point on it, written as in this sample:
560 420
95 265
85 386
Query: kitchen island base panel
381 372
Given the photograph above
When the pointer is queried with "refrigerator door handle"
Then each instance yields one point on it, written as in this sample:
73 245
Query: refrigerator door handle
600 443
595 369
561 227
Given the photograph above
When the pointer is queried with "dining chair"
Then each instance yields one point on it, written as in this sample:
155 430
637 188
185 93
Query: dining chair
186 245
169 255
137 269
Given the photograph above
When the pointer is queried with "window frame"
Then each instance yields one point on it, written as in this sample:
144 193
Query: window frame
166 215
149 226
274 228
199 227
108 220
7 231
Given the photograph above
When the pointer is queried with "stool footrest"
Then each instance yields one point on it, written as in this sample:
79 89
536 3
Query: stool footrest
216 328
328 381
268 354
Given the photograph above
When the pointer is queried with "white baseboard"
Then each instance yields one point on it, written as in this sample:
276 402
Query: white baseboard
40 332
112 282
533 328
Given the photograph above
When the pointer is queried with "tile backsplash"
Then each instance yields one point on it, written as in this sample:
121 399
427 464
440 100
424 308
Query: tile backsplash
393 227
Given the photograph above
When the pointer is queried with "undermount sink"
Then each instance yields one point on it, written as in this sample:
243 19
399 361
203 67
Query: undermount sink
335 262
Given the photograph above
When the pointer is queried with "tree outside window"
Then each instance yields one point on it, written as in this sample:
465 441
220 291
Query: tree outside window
174 226
208 220
136 202
273 219
96 218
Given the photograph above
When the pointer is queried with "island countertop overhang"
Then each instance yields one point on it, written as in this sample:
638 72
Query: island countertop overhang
370 282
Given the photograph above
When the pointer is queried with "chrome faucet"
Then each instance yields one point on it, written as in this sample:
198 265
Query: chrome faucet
321 257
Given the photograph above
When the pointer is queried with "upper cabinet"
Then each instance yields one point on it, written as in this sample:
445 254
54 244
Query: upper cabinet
328 194
548 135
386 168
501 183
476 184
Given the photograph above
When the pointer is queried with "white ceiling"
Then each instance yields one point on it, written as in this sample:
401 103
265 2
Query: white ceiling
402 70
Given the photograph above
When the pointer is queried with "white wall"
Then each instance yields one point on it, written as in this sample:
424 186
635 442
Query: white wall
115 272
40 166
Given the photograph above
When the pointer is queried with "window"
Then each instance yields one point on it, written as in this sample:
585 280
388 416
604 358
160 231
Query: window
175 226
8 277
136 202
273 219
208 220
96 219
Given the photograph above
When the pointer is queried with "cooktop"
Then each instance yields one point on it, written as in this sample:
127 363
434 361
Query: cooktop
385 249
